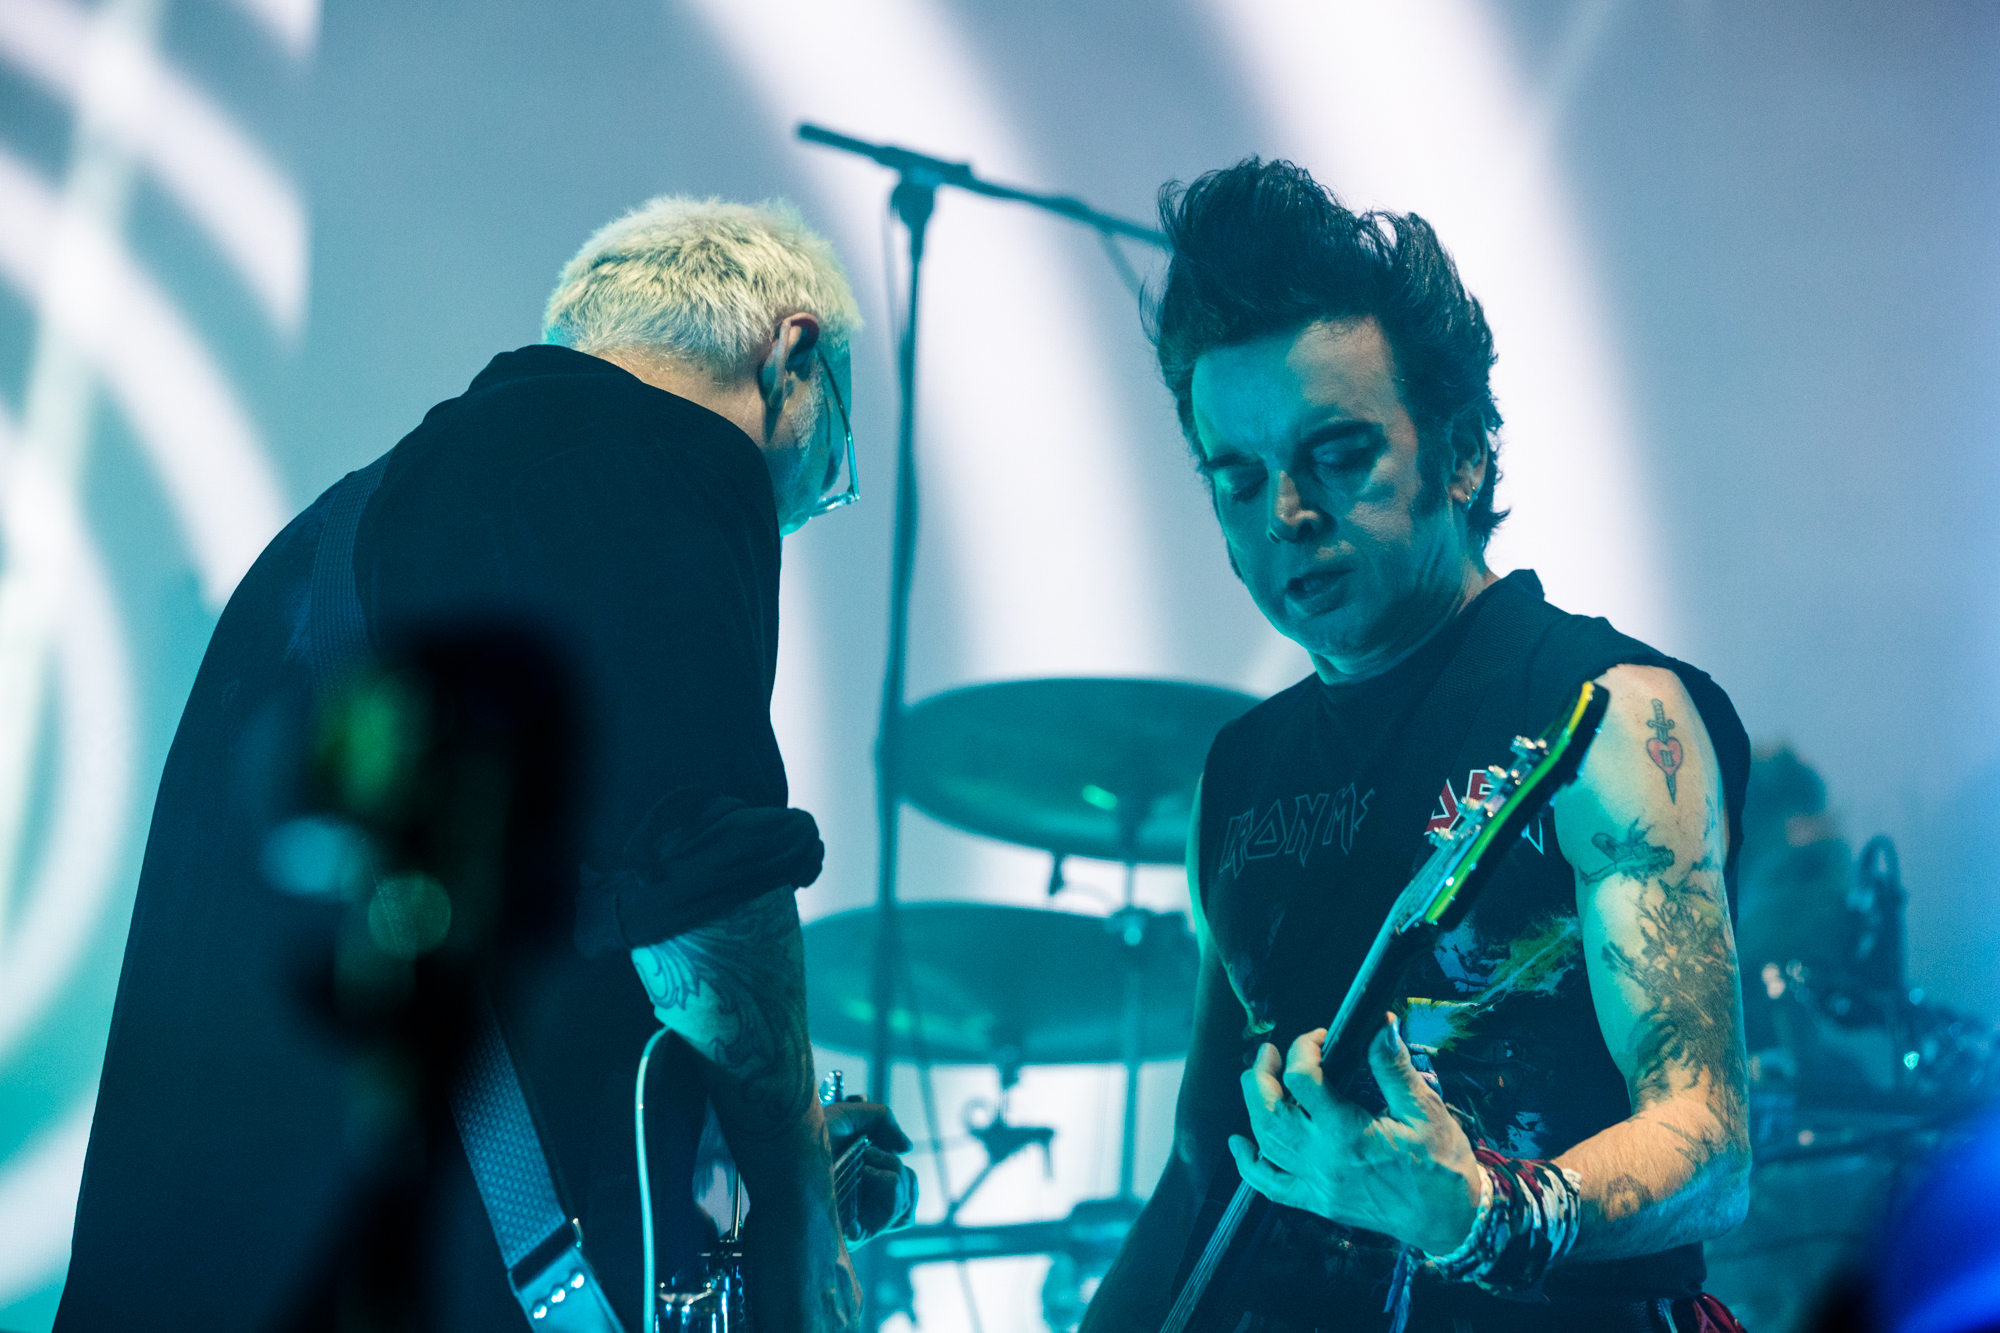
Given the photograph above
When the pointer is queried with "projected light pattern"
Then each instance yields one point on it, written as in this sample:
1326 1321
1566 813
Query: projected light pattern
109 332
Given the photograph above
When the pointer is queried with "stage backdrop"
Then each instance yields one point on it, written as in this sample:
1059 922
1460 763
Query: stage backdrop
1739 262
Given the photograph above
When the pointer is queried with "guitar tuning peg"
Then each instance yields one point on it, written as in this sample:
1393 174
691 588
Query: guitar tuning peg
1439 837
1526 747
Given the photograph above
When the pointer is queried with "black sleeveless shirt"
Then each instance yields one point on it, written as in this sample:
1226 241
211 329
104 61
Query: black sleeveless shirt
1314 810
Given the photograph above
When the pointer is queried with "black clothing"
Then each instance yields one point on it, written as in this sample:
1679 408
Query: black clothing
1314 807
637 533
701 849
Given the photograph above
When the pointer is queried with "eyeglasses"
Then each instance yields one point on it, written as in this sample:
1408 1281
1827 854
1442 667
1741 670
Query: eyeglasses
828 503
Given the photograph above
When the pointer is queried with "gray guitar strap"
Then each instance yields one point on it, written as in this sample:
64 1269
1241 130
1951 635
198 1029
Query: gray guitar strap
541 1246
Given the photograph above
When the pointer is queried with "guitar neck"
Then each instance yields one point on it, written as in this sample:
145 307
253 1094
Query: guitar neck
847 1178
1363 978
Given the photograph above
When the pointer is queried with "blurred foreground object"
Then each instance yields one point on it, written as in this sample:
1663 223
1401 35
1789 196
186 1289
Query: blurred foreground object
442 777
1940 1268
1857 1079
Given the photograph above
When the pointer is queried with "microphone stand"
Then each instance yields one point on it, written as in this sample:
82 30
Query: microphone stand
914 197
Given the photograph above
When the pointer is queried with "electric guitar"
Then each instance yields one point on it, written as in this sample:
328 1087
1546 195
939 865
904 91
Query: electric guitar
720 1303
1462 859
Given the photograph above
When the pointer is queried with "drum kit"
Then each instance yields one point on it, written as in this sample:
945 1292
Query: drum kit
1104 769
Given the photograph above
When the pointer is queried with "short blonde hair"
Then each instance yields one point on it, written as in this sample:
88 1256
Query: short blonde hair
702 280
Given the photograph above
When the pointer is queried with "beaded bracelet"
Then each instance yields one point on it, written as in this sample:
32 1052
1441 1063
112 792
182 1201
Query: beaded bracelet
1527 1219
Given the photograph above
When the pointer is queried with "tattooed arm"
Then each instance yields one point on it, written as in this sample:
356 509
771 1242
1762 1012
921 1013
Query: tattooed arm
734 990
1645 829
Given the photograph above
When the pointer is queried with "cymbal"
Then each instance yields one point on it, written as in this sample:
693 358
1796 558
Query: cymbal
1092 767
1005 985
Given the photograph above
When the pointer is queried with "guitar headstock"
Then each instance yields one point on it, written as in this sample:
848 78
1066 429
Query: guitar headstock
1541 766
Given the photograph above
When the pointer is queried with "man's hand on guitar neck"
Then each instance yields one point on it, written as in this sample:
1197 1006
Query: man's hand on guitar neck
1409 1173
885 1191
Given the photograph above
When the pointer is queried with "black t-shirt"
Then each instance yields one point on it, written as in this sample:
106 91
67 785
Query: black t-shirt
637 532
1314 810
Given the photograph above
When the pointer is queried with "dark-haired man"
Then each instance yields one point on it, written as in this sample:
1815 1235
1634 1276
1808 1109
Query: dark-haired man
1553 1118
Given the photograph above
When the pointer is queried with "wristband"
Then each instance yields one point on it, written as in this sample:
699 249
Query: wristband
1528 1218
1478 1245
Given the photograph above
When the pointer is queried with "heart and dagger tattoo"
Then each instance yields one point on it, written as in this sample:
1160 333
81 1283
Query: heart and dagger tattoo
1664 749
1633 854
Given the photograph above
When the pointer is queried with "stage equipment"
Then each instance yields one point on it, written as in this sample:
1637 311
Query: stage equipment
1011 986
1005 986
912 200
718 1301
1861 1080
1081 1247
1817 1204
1099 768
1850 1032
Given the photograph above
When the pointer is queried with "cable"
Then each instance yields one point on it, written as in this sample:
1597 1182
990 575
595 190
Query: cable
645 1178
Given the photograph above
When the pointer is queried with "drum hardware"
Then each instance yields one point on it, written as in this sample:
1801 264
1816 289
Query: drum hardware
899 739
1850 1032
1001 1140
1008 987
1871 1047
1100 768
983 984
1081 1247
717 1302
1129 926
1105 769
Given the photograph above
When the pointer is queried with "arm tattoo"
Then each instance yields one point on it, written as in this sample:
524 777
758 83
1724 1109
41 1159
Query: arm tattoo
1631 855
1663 749
1684 967
740 982
1625 1195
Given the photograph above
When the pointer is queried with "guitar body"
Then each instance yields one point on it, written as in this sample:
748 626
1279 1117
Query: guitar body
720 1303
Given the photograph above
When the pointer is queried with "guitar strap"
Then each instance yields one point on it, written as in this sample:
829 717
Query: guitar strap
541 1247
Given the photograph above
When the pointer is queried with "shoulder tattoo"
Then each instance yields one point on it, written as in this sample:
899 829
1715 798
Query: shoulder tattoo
1665 749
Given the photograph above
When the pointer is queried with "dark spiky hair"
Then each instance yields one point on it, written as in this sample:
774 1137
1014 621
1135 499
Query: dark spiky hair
1262 248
